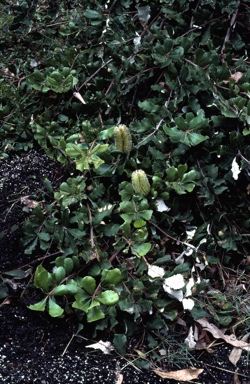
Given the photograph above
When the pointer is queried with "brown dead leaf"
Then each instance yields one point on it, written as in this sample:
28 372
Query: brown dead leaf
119 378
235 76
182 374
236 378
247 260
218 334
28 202
79 97
235 354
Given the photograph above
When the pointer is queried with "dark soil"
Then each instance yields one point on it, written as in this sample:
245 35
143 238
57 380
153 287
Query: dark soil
35 348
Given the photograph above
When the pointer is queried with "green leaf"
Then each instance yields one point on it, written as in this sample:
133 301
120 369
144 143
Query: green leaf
89 284
106 134
147 214
141 249
42 278
44 236
76 233
101 213
189 138
16 273
91 14
59 274
120 341
111 277
40 306
150 105
54 309
66 289
82 302
197 313
176 53
139 223
68 265
223 320
111 229
108 298
95 314
31 247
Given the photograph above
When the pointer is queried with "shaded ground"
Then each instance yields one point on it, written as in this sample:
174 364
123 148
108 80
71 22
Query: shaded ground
35 348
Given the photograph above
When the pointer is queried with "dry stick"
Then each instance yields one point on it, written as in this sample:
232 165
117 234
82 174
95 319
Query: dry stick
92 243
95 73
226 370
40 259
158 125
151 134
243 158
178 241
210 373
133 102
227 37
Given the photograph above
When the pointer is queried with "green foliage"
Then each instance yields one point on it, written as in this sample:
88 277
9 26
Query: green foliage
177 77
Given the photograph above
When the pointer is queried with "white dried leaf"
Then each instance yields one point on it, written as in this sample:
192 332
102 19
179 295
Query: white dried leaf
191 232
162 352
161 206
79 97
188 304
105 208
175 281
235 169
155 271
105 346
180 259
176 294
209 229
189 251
137 41
190 340
189 287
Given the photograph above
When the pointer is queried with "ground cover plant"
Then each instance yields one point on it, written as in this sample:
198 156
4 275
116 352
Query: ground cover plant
145 106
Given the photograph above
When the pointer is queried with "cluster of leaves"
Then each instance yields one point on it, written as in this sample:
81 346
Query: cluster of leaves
176 73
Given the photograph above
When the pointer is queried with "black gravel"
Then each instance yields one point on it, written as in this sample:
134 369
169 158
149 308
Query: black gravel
35 348
21 176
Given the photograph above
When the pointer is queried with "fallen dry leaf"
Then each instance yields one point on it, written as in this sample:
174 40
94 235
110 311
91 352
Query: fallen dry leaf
105 346
119 378
28 202
191 339
236 378
218 334
235 354
79 97
182 374
235 76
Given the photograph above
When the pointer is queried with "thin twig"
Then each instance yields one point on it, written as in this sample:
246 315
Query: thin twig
151 134
95 73
67 346
243 158
227 37
177 240
92 243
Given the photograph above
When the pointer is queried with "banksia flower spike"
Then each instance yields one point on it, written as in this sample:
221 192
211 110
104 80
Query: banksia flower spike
123 141
140 182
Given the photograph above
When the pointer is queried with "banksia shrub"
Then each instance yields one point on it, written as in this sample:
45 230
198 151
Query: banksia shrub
140 182
123 141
